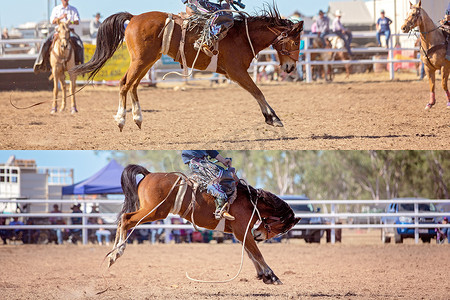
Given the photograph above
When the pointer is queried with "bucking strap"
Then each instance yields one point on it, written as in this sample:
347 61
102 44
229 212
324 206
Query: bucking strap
167 35
180 196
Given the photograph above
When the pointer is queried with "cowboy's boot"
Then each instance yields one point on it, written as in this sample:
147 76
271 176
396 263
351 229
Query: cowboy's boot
204 47
42 63
222 210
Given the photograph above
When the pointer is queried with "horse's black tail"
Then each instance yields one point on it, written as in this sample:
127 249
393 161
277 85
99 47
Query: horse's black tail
130 188
109 37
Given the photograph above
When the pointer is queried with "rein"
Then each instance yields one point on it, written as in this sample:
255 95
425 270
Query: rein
255 209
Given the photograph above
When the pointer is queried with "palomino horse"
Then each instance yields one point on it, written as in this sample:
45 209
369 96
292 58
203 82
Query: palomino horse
338 43
144 43
325 69
62 59
433 49
155 196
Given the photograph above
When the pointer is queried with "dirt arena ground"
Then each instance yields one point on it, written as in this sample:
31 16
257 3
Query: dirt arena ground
352 270
360 113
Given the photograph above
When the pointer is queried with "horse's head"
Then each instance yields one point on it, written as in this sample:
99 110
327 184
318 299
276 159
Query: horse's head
287 44
282 34
277 217
414 17
63 33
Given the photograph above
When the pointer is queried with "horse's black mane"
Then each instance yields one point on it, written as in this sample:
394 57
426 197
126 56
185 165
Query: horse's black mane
269 199
268 14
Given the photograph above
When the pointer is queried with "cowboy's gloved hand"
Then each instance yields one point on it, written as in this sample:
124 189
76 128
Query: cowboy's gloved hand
227 162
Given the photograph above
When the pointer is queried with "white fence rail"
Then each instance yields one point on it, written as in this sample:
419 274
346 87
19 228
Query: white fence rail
308 63
333 216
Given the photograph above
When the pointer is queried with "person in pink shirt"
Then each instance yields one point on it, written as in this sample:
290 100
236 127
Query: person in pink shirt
342 32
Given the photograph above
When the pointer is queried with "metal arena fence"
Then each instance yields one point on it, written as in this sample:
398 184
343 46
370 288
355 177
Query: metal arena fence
6 54
335 218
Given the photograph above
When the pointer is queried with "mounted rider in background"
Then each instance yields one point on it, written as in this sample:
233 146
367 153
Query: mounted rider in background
220 22
209 176
61 13
445 25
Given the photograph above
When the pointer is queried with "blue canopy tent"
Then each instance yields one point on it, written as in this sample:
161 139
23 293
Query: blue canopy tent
105 181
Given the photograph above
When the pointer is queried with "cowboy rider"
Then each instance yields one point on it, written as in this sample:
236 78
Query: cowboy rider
66 13
445 25
210 173
220 24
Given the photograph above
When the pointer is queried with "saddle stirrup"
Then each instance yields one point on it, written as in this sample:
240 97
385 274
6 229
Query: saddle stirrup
222 212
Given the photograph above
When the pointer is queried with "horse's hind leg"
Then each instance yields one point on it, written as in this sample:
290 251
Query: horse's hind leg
137 70
118 248
127 222
136 108
245 81
121 110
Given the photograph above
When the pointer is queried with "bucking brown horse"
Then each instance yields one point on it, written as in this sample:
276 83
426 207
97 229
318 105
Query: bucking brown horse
433 49
144 41
157 194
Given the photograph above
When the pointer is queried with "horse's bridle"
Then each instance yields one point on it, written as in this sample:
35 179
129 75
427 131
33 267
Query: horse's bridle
281 40
64 60
411 24
265 221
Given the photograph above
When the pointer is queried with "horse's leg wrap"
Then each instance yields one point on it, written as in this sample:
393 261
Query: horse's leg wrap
432 100
448 98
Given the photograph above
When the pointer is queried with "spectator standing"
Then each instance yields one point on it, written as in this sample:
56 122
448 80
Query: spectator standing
95 24
4 233
323 26
383 28
443 233
102 232
75 234
17 233
57 221
156 233
5 34
342 32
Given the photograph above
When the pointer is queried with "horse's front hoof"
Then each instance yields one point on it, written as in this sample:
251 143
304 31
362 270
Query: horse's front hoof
273 120
429 106
53 111
277 123
448 104
138 123
272 280
73 110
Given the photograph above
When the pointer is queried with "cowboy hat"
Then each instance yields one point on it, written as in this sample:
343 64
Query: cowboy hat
338 13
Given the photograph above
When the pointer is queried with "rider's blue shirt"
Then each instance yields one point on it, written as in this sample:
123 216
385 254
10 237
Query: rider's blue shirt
187 155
